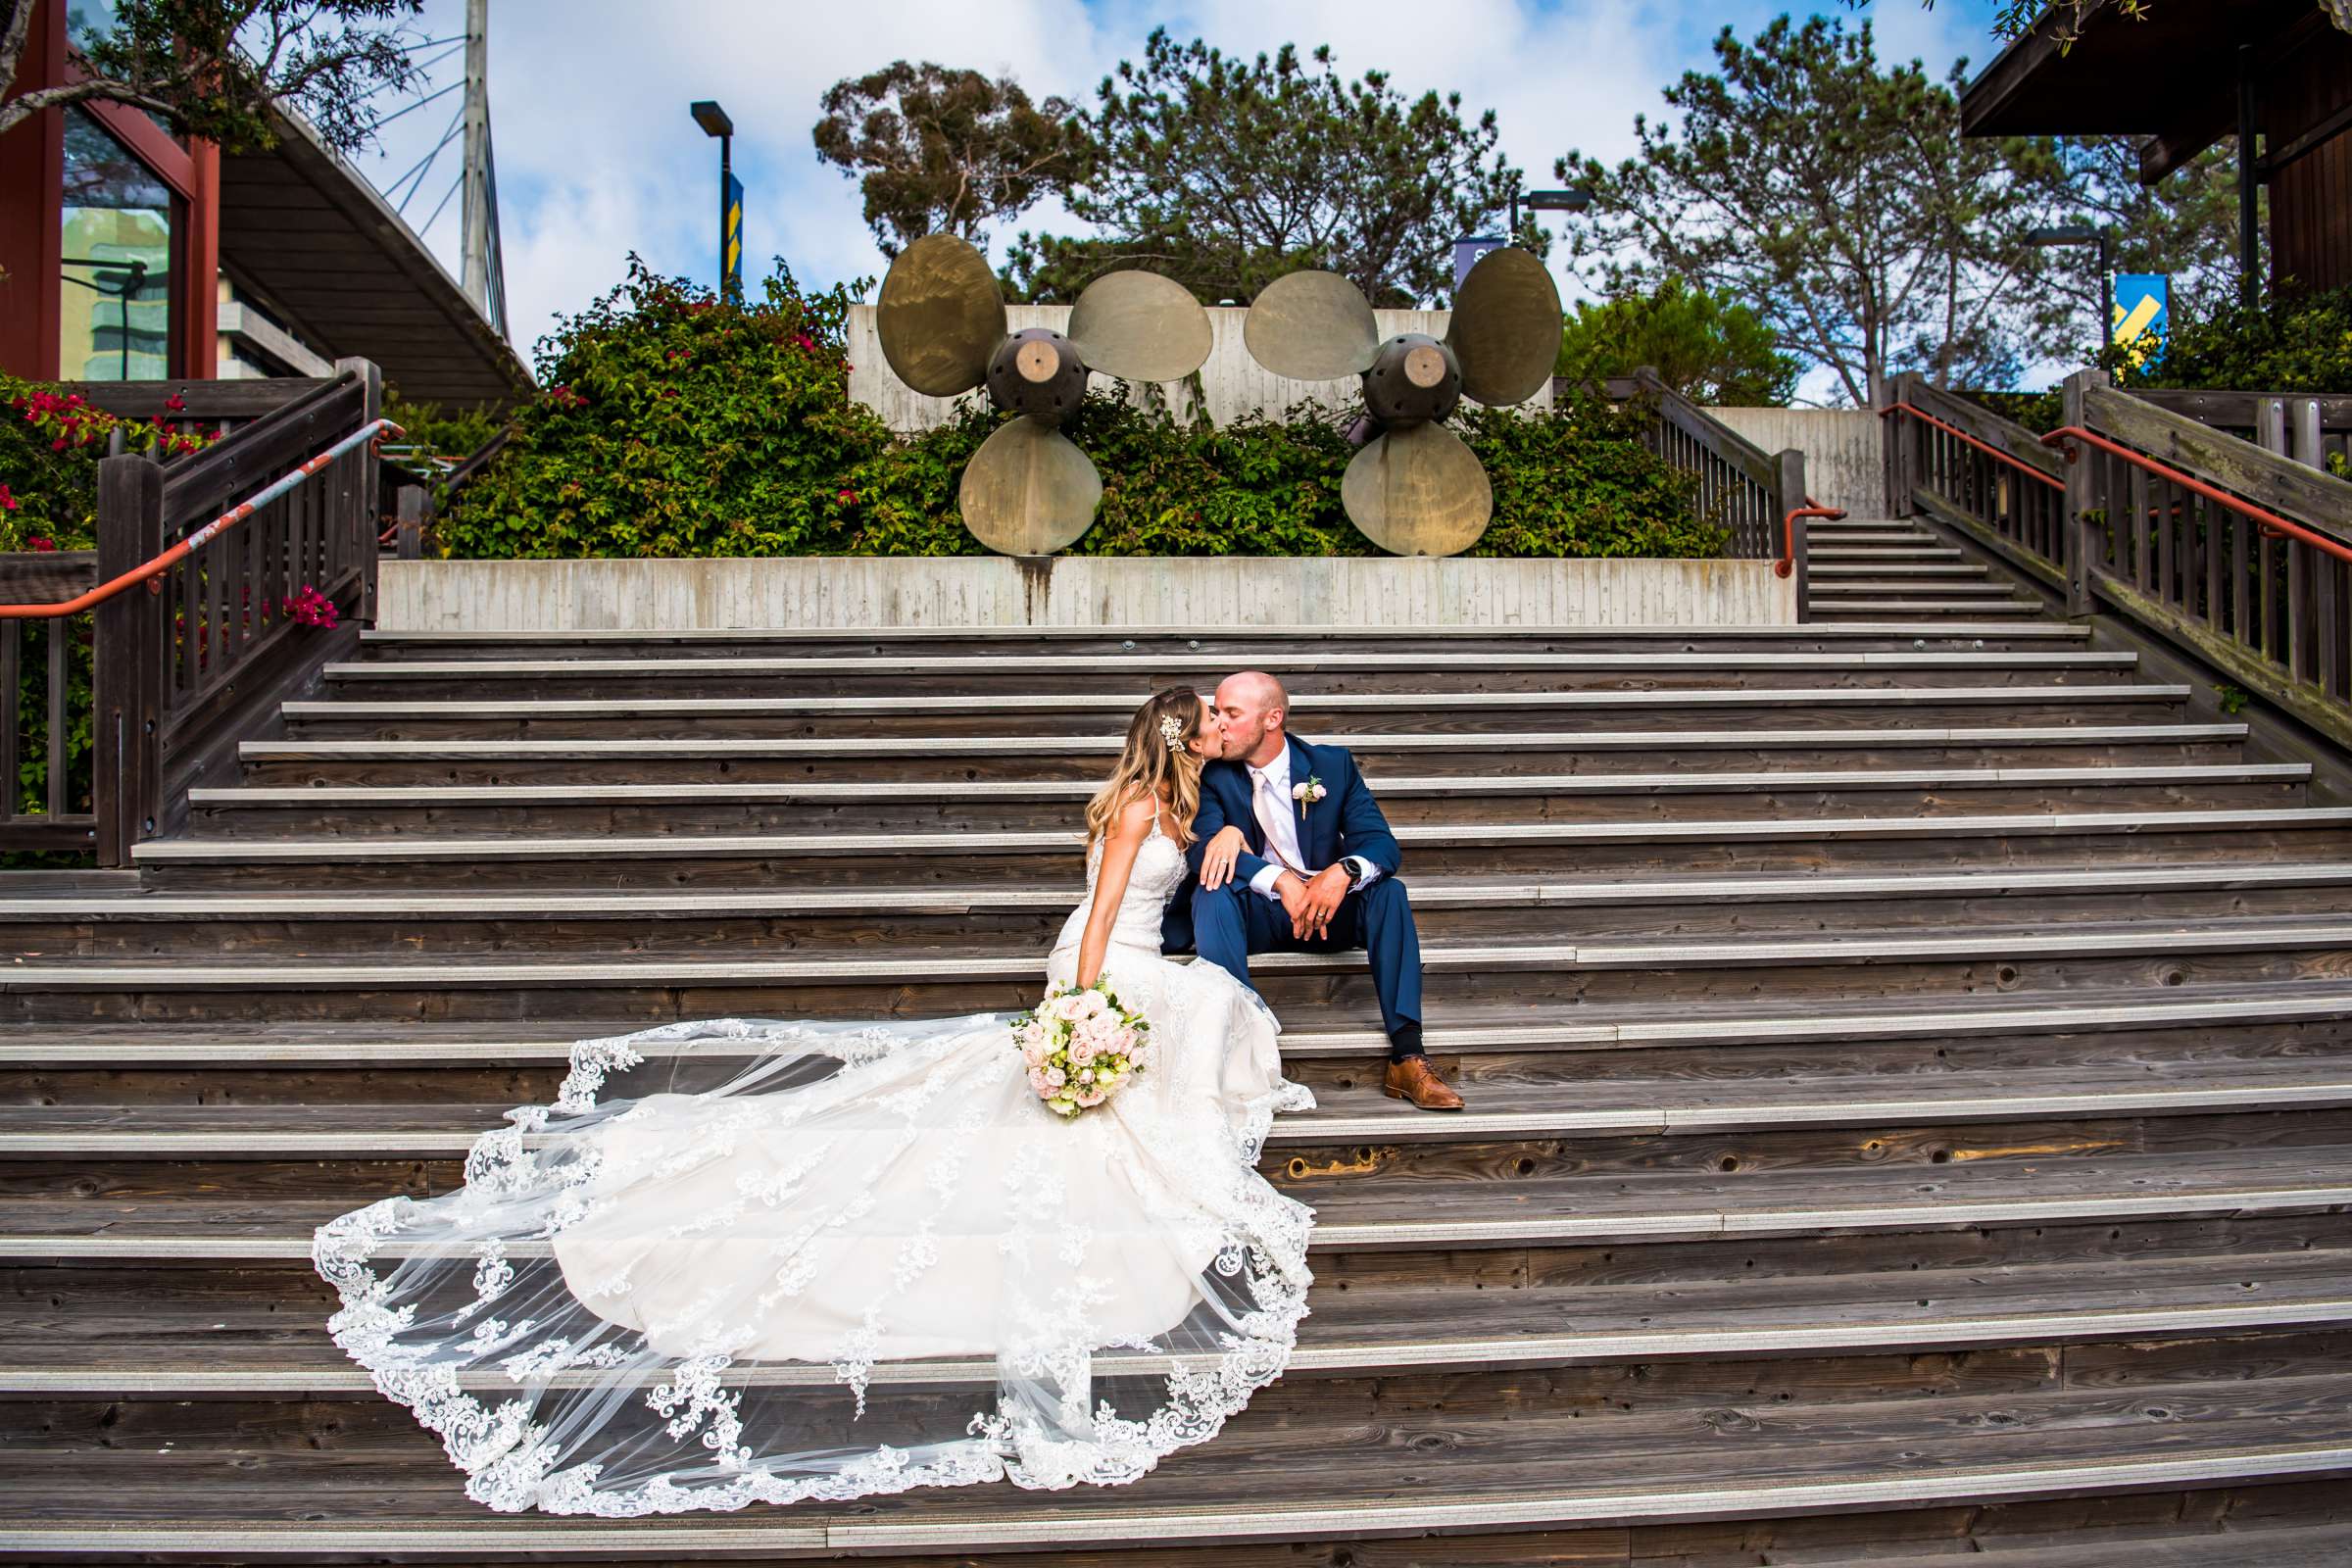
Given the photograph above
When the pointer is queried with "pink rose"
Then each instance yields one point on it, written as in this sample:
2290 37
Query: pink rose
1091 1097
1055 1077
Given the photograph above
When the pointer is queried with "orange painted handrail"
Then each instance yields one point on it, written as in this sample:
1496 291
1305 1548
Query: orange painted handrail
204 535
1983 447
1788 561
2271 522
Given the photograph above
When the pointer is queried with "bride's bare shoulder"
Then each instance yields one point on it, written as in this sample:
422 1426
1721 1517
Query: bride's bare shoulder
1132 817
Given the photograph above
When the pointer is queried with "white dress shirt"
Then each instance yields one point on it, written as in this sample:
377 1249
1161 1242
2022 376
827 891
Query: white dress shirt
1277 775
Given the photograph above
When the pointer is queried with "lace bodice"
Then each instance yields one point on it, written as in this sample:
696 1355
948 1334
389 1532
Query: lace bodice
1159 870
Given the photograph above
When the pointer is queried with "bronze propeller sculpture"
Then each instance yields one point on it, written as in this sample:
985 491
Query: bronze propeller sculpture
1029 491
1415 489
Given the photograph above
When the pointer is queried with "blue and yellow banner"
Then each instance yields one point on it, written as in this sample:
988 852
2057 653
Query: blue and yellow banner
730 240
2141 316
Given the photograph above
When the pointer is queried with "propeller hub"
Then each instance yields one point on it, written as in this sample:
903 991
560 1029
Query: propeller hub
1414 378
1037 371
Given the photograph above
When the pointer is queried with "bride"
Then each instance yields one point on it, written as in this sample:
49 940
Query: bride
744 1261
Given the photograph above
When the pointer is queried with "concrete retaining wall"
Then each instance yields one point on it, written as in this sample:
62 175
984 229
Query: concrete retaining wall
1844 464
1235 382
1075 591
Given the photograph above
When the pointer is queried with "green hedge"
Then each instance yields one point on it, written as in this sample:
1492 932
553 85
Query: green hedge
677 424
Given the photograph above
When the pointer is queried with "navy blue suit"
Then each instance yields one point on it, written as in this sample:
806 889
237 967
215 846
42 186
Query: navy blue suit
1225 924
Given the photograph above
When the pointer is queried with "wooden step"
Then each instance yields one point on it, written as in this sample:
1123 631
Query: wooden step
592 642
1922 550
999 755
127 1348
305 1047
1009 804
1455 847
1425 1474
2221 1543
1835 605
1045 714
915 668
1893 571
130 920
1513 1110
1466 1213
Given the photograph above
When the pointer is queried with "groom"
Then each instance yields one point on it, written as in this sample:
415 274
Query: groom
1316 870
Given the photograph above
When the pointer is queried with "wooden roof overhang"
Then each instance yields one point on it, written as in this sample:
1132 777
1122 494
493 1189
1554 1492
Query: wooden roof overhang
2170 76
309 237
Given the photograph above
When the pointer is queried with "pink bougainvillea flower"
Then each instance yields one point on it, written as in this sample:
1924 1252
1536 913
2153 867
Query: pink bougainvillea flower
40 544
175 403
847 498
7 503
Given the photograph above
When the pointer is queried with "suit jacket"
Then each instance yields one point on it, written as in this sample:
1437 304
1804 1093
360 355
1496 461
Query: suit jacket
1345 821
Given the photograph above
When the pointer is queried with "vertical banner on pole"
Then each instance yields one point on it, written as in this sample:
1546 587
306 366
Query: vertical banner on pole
1466 251
2140 315
730 239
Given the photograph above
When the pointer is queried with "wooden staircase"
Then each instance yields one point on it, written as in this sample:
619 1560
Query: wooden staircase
1910 1065
1862 570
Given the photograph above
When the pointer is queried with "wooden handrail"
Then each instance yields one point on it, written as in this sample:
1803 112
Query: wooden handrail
203 536
2271 522
1989 450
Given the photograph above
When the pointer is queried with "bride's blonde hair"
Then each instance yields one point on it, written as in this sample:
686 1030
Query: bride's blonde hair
1155 762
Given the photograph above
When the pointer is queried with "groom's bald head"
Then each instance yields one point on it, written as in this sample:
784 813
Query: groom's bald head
1251 709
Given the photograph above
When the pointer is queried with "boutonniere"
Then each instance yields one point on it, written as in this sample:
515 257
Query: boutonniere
1308 794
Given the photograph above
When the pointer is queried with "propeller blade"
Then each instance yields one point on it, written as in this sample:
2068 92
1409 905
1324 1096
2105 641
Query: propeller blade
1311 326
1140 326
941 315
1029 491
1418 491
1506 327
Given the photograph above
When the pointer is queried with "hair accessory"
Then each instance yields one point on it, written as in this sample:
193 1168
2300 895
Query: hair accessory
1171 730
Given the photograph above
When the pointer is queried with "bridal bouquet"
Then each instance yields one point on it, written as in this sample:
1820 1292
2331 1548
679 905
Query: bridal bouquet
1080 1046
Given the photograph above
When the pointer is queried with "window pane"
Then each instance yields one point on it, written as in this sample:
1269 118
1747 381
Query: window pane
115 315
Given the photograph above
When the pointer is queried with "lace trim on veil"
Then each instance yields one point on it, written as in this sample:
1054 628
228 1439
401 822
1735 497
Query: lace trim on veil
504 1442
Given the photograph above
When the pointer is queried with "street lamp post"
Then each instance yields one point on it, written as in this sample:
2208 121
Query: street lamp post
2084 234
1575 199
715 123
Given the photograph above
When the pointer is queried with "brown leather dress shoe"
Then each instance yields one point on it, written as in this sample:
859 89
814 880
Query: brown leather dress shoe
1414 1079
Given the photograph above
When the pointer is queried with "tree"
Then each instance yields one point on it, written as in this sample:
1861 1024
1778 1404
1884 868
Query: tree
1224 173
215 67
2185 226
935 149
1838 200
1706 346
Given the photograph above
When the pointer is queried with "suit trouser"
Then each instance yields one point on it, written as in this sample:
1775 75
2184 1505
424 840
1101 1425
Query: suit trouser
1231 922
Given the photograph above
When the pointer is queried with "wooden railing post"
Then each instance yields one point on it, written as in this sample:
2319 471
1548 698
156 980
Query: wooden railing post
2083 541
416 505
1902 438
1789 495
127 677
359 500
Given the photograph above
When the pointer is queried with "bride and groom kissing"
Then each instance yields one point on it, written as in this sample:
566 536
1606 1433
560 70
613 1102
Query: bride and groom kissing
592 1321
1291 854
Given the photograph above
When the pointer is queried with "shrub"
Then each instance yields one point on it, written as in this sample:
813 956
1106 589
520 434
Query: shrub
50 444
677 424
2287 342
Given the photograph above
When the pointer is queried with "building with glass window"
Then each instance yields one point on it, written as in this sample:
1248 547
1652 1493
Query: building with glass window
129 254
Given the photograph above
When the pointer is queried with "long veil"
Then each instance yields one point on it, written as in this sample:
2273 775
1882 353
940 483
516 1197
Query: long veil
646 1300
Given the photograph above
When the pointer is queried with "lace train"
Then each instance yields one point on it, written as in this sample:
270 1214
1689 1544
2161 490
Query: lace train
825 1260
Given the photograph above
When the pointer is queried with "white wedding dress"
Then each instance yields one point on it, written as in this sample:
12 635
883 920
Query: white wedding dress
746 1261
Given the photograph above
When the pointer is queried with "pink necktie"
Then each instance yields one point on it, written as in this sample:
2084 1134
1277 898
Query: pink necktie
1269 814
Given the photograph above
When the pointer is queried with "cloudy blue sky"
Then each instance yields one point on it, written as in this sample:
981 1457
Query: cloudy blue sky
597 156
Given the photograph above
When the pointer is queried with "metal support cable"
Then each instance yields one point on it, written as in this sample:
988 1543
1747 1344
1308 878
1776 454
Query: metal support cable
414 177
